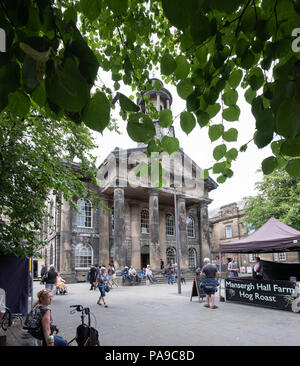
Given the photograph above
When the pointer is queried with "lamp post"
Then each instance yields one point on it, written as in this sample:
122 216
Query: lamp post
177 242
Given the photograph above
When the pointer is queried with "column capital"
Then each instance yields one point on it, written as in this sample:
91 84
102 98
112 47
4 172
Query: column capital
154 192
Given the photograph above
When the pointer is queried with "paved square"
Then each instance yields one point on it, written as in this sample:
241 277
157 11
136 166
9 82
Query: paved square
157 315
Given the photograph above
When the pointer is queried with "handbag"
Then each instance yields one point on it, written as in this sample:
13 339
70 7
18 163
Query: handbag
106 288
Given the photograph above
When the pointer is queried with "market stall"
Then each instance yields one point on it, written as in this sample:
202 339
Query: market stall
279 287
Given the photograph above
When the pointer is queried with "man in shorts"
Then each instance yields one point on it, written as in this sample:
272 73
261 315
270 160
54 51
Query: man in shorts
209 276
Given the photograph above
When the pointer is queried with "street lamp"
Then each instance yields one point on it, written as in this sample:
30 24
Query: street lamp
177 242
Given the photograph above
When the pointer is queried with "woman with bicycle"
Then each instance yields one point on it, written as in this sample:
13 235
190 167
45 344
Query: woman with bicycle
102 283
39 321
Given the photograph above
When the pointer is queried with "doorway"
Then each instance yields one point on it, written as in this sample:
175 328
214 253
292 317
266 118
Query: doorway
145 257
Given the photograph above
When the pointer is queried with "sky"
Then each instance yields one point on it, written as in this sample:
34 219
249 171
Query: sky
199 148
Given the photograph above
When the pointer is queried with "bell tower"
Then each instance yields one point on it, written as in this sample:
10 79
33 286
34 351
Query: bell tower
161 99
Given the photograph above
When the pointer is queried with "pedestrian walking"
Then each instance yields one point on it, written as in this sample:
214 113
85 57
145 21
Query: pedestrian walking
209 282
233 268
149 275
92 277
112 275
102 282
168 273
50 279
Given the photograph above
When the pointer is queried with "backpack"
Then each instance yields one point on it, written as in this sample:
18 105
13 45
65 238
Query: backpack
33 323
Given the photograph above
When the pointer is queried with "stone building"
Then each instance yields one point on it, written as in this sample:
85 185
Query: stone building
138 228
227 224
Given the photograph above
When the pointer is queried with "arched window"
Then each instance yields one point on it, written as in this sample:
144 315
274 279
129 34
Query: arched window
171 255
83 256
192 258
145 221
190 227
169 224
84 216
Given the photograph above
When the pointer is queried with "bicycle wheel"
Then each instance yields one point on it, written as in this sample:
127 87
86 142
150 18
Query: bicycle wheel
6 320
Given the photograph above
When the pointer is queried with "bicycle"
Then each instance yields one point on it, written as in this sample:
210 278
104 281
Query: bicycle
85 334
7 318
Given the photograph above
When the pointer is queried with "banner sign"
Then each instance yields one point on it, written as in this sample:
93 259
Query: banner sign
267 293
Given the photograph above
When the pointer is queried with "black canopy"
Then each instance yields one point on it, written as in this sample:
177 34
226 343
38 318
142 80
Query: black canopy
273 236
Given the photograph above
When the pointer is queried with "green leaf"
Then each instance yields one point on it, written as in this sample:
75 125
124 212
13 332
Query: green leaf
39 94
200 28
165 118
290 147
202 118
96 114
182 68
235 78
231 154
269 164
250 94
219 167
230 135
213 110
178 13
221 179
18 103
231 114
140 128
67 88
205 174
230 98
167 65
127 104
88 63
9 81
276 146
187 122
293 168
287 119
256 78
91 9
215 131
262 139
170 144
219 152
119 7
184 88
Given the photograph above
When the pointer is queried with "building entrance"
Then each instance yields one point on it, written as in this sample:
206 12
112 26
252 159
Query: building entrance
145 257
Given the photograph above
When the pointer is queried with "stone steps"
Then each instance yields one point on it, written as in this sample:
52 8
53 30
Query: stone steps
160 279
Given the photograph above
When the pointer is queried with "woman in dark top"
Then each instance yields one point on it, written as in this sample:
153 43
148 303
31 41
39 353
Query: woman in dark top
50 279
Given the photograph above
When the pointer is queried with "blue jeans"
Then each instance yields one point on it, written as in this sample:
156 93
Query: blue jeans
170 279
59 341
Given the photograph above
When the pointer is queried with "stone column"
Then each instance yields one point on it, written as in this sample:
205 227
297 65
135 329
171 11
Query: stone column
119 229
66 239
155 252
184 257
104 222
204 232
135 237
